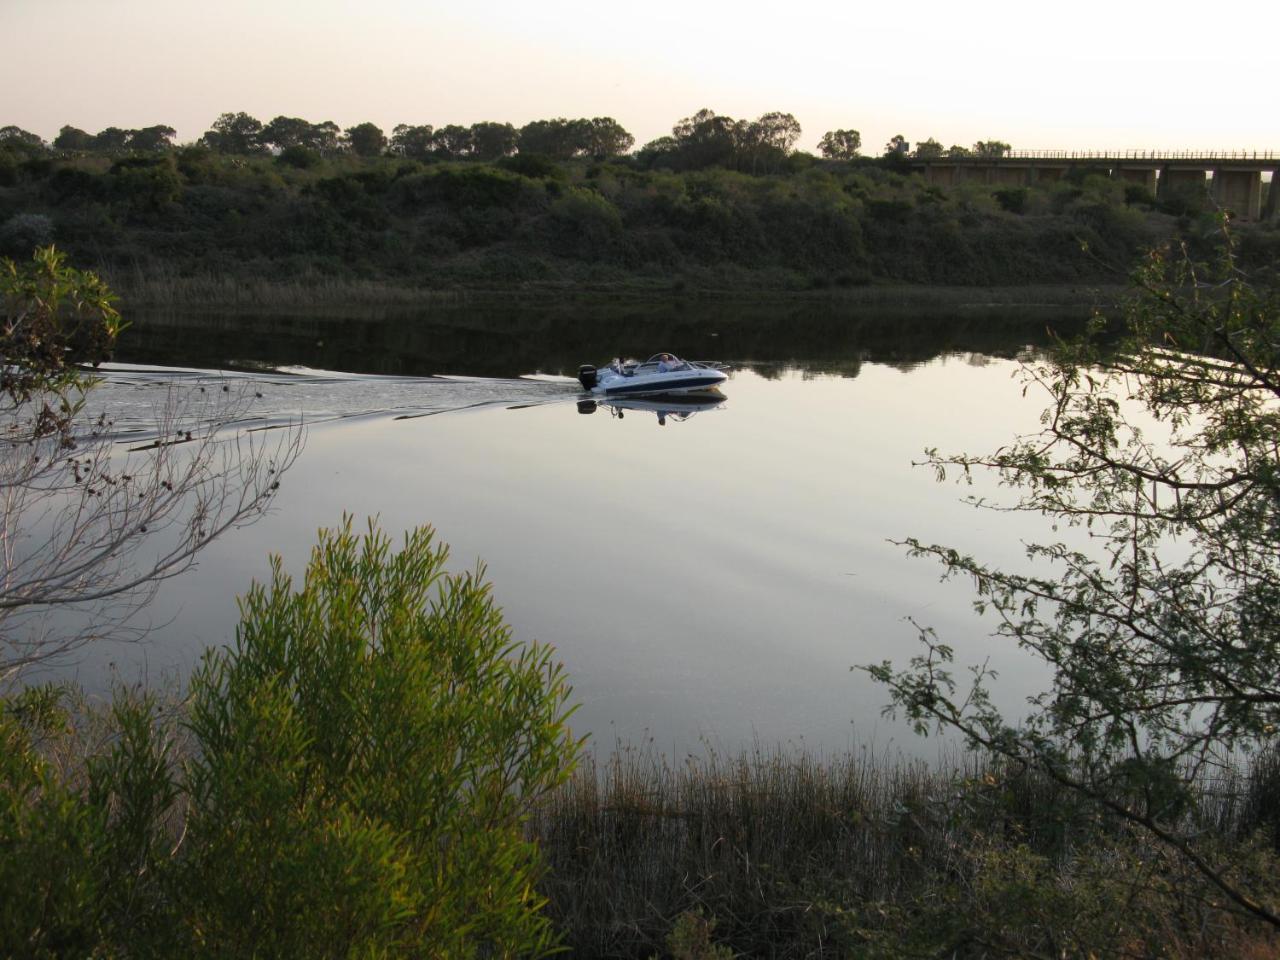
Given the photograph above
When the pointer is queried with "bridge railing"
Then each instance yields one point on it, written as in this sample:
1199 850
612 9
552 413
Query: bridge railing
1152 155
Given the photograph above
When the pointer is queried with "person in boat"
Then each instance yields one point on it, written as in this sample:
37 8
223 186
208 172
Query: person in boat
666 362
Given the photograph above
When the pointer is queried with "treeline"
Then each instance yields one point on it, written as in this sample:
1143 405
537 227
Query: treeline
702 140
241 134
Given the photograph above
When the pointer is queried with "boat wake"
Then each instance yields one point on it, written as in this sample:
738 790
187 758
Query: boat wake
133 397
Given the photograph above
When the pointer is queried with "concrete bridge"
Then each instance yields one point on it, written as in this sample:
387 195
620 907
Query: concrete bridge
1234 179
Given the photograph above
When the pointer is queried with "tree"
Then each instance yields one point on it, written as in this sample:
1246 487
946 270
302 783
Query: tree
779 131
415 142
12 135
492 141
284 132
453 142
897 145
323 137
706 140
159 137
365 139
840 144
112 139
1163 634
764 144
73 138
85 529
662 150
991 148
234 133
955 150
605 137
930 149
559 139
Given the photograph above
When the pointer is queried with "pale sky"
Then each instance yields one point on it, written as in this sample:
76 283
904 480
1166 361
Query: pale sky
1082 75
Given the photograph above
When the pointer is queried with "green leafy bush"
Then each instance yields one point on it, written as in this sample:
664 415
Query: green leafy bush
351 778
369 750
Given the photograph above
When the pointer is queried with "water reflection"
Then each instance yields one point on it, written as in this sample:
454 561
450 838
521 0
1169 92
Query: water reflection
510 342
765 540
668 409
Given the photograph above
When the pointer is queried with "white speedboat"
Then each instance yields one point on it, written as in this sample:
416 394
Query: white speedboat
663 373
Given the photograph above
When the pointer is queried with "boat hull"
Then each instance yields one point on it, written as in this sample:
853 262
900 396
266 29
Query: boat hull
703 382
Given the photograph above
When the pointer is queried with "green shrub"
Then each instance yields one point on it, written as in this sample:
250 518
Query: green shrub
352 778
1012 199
369 751
298 156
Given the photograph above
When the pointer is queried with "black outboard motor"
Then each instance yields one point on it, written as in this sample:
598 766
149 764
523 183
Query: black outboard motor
587 376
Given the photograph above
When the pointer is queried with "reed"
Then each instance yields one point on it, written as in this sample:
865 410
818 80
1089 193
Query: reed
159 289
158 286
791 854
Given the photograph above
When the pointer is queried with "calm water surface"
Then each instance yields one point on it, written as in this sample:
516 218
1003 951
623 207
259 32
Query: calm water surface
707 577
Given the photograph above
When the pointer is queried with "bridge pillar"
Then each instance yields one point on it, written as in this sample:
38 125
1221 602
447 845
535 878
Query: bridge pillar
939 175
1044 173
1182 182
1273 195
1142 176
1009 176
1239 191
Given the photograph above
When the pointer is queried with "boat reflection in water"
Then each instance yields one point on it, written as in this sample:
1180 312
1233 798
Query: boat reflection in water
666 408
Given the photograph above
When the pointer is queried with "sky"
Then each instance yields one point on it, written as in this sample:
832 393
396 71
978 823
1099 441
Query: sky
1114 75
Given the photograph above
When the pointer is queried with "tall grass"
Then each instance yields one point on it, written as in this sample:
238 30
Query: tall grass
159 288
790 854
155 284
769 853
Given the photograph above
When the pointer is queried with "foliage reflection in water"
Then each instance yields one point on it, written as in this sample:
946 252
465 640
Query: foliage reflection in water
712 582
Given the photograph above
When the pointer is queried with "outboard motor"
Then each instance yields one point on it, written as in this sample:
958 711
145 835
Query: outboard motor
587 376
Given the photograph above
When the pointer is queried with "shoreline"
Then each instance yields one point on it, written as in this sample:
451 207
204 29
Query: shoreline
232 295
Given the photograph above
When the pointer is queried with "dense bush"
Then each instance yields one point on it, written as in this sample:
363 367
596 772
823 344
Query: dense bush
191 210
352 777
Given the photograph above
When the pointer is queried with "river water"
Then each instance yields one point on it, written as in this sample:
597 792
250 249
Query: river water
708 575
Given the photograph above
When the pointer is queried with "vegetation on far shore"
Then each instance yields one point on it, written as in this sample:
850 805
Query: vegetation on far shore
720 208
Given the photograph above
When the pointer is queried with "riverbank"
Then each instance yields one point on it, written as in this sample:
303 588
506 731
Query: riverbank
193 227
229 294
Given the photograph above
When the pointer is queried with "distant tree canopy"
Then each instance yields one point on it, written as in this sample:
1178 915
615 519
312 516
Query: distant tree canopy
991 148
705 139
235 133
15 140
492 141
897 145
285 132
109 140
12 134
929 149
708 139
840 144
365 139
562 139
